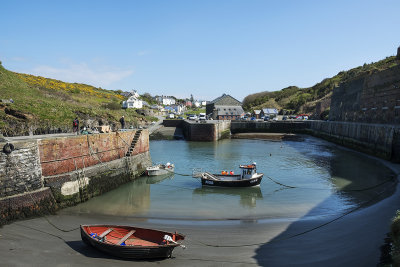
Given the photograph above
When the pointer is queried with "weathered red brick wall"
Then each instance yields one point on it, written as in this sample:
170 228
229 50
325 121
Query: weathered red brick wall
62 155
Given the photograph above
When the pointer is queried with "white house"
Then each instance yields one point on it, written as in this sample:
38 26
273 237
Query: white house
133 102
180 109
166 100
197 104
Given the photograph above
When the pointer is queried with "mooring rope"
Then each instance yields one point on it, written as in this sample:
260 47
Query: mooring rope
34 202
45 217
291 236
284 185
342 190
309 188
91 153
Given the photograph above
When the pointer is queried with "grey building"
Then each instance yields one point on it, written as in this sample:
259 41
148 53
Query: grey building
224 107
228 112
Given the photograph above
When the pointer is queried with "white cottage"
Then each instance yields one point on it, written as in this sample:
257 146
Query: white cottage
133 102
166 100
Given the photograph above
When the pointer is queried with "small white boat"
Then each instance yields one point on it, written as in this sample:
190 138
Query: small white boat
160 169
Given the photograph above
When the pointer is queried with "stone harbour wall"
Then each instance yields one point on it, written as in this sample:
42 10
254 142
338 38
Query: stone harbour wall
22 206
78 186
61 155
20 170
40 176
371 98
206 130
268 127
381 140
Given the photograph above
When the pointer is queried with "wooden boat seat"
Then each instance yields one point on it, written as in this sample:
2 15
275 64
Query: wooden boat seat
122 240
106 232
140 242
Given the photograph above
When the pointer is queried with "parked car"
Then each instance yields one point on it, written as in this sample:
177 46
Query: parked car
170 116
266 118
202 116
284 118
192 117
253 118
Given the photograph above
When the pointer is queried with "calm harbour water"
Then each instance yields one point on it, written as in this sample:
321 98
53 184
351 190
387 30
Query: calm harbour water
328 180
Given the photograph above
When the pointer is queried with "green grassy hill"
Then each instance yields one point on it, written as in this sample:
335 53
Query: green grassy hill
304 100
44 105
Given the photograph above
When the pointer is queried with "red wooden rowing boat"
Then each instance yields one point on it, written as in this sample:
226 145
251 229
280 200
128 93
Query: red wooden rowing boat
131 242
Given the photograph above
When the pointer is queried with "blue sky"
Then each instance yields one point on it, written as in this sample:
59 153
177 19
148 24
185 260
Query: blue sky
205 48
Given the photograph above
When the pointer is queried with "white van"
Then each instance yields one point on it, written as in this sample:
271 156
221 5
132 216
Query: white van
202 116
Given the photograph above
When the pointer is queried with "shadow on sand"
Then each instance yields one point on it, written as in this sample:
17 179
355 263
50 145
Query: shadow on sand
90 252
352 238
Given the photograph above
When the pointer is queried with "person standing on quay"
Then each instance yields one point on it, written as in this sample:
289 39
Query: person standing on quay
75 125
122 121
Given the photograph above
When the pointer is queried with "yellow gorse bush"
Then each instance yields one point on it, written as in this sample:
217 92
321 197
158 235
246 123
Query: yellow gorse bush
41 82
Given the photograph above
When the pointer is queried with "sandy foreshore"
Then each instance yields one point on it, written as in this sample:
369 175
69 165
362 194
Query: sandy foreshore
268 136
352 240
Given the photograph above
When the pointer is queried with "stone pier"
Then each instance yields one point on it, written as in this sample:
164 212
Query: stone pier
42 175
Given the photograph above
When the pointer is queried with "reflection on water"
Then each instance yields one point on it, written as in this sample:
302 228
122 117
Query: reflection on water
127 200
159 178
247 196
328 180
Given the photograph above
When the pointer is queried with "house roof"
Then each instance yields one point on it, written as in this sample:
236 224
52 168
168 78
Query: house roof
126 94
226 100
257 111
133 99
223 110
270 111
